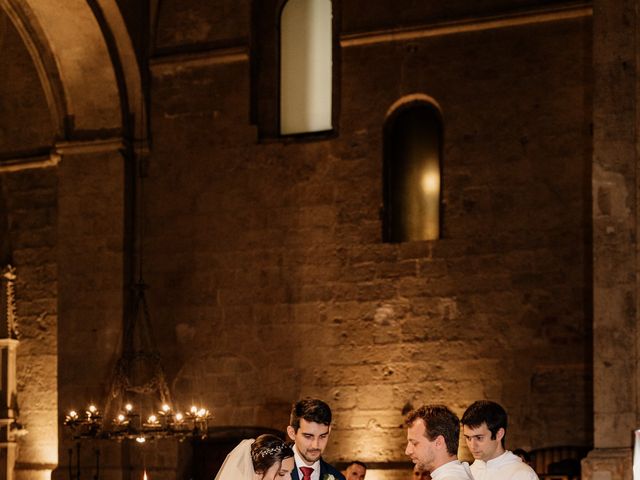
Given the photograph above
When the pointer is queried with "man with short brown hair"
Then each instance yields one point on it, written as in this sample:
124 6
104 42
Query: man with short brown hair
432 442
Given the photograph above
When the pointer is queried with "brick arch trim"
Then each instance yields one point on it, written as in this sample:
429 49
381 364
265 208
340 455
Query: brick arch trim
409 99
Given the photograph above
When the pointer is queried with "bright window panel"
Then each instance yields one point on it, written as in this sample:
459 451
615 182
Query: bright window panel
305 66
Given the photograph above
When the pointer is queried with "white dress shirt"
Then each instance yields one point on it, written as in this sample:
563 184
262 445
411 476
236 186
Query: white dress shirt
315 475
505 467
454 470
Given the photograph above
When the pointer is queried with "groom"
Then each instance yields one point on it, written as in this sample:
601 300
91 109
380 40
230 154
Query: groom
309 428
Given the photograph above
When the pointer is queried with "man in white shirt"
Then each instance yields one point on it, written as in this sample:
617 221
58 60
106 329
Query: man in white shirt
432 442
484 426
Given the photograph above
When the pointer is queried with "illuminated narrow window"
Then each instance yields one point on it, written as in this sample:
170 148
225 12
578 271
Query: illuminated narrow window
305 66
412 172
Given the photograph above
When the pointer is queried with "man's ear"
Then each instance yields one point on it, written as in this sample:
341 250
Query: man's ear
292 433
439 441
500 434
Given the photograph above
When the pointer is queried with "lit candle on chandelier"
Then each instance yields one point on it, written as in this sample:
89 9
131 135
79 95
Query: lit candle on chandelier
144 476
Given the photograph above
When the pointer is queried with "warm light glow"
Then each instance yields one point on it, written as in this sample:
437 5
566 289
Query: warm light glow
49 451
430 203
413 177
306 66
43 474
384 474
430 182
163 424
636 456
144 476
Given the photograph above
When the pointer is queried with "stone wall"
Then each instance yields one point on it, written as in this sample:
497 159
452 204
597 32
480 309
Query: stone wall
615 234
63 226
266 263
93 289
30 208
268 277
22 99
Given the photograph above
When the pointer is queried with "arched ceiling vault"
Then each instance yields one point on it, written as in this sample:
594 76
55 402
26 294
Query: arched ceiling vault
86 64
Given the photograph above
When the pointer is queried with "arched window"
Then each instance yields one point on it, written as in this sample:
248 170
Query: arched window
306 45
412 171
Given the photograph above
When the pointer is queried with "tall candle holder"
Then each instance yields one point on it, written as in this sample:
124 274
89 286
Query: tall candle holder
127 423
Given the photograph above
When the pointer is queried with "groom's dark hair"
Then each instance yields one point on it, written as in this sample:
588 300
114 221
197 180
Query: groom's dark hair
311 410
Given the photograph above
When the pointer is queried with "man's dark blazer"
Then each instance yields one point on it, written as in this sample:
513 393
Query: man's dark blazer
325 469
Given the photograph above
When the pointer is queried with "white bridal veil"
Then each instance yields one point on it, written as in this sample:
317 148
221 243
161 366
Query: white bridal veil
238 464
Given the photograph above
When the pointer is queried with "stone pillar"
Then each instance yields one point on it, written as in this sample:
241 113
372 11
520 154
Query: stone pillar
8 348
615 226
93 238
8 384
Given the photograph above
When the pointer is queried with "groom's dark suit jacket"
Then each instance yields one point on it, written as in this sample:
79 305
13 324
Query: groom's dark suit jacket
325 469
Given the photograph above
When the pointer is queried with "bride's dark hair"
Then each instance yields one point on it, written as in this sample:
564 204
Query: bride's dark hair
267 450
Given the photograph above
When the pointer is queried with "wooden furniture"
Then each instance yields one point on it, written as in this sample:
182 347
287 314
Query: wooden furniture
559 462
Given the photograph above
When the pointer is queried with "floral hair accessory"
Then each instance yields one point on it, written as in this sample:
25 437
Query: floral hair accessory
268 452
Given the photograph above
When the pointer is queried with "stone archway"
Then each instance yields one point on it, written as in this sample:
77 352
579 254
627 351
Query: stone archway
90 79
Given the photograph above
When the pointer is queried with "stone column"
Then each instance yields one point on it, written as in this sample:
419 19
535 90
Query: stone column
615 226
93 242
8 384
8 348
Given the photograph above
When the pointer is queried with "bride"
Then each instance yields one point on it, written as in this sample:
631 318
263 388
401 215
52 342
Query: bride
265 458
